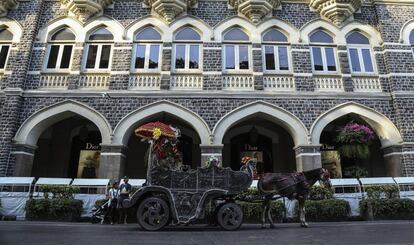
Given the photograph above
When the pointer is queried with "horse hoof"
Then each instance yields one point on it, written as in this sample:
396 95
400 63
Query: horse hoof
272 226
263 227
304 225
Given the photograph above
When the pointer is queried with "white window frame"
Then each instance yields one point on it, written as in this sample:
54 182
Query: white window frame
146 61
359 48
276 53
59 58
237 58
98 58
6 43
324 63
186 68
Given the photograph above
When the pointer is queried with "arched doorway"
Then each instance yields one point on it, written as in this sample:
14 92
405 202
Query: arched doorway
69 148
264 140
65 126
387 141
188 145
344 167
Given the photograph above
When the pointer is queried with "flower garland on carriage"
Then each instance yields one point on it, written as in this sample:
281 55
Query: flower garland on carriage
163 151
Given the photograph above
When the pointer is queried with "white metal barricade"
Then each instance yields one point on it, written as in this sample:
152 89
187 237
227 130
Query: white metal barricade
91 190
14 193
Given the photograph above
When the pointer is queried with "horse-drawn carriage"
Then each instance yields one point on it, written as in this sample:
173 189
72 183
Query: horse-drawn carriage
178 195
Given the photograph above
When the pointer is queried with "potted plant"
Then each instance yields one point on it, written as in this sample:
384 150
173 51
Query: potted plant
354 140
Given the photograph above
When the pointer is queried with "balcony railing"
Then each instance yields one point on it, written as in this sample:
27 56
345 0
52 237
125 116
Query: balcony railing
145 82
238 82
187 82
53 81
94 81
366 84
329 83
279 83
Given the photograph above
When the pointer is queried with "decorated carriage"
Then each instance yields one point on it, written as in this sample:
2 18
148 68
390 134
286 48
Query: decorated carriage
176 194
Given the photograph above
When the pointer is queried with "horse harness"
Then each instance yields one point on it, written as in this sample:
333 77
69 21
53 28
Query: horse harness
296 181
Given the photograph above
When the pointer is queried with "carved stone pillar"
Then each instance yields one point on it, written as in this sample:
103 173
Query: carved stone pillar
24 156
112 165
210 151
308 157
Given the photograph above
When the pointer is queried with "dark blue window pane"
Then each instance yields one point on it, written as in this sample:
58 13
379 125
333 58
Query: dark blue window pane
274 36
229 49
317 59
180 57
330 59
153 57
356 65
283 59
366 55
357 38
321 37
269 57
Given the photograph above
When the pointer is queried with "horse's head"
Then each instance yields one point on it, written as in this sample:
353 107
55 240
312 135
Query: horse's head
325 177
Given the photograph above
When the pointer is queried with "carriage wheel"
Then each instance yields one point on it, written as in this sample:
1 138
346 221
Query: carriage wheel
230 216
153 214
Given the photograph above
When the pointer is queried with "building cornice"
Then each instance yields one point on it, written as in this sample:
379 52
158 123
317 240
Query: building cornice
207 94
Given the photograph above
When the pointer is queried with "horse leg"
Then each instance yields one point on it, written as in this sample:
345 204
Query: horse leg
302 213
264 207
269 216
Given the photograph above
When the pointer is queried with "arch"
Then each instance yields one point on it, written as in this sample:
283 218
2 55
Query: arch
200 26
187 30
383 127
274 113
112 25
64 33
147 33
290 31
140 24
124 128
370 32
324 25
33 126
13 26
405 32
232 22
62 22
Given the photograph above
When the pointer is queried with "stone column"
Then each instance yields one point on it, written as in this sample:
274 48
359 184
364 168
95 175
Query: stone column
112 165
210 151
308 157
392 160
23 157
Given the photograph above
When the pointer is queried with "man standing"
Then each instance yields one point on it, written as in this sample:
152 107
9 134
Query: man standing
124 190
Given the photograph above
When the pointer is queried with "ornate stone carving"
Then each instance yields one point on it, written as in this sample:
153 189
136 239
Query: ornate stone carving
169 9
5 5
254 9
336 10
84 9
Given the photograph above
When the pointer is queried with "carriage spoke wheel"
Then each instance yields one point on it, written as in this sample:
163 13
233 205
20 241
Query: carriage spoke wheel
153 214
230 216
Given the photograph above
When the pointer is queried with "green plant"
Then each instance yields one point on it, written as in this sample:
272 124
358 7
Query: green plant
355 172
320 193
54 209
382 191
59 191
250 195
354 140
253 211
326 210
394 208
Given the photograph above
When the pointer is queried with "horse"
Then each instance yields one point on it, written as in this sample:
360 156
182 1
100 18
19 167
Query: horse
290 185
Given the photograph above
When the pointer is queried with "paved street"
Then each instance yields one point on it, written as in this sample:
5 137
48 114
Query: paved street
381 232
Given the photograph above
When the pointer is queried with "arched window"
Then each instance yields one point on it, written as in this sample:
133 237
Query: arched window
6 38
323 52
59 50
187 50
147 50
412 41
359 53
98 50
236 50
275 49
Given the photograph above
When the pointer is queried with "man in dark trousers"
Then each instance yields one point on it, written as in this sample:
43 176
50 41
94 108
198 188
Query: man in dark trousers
124 190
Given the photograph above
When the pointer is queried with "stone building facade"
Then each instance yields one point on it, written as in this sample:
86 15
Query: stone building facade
285 70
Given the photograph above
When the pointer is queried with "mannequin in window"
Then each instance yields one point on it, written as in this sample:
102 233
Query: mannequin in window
91 162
